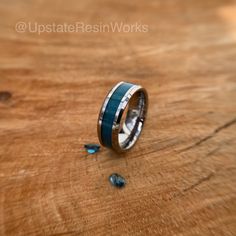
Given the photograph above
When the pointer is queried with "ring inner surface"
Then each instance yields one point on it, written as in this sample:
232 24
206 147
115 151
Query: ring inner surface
132 120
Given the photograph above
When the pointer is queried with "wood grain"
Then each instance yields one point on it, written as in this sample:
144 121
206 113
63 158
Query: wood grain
181 175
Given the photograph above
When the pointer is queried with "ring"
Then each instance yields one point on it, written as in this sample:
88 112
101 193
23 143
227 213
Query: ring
122 116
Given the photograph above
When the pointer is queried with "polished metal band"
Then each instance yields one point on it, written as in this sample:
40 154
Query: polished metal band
122 116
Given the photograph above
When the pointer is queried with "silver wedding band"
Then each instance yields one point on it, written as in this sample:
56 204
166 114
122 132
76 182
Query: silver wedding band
122 116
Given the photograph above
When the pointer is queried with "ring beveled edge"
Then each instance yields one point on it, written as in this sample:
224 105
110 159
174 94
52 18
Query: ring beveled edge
103 109
123 104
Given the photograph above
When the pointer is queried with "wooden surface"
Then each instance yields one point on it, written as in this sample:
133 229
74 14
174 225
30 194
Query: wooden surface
181 175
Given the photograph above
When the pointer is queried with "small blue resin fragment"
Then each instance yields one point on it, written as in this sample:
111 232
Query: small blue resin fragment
117 180
92 148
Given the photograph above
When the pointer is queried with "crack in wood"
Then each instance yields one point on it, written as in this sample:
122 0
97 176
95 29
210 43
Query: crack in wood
206 178
215 150
217 130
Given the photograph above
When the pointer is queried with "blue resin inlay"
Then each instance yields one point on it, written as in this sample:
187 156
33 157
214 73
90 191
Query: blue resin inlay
109 114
